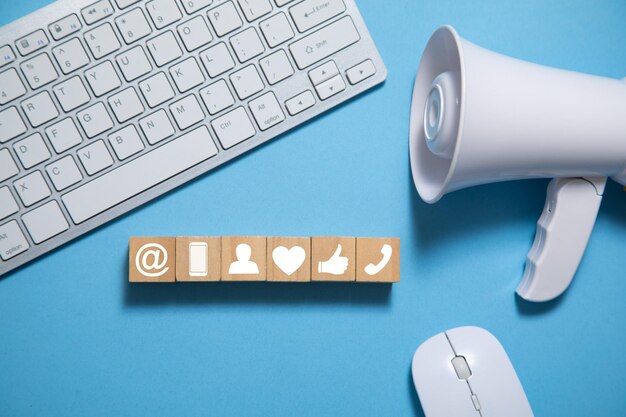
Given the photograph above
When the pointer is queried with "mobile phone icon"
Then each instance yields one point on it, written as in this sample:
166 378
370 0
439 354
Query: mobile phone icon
198 259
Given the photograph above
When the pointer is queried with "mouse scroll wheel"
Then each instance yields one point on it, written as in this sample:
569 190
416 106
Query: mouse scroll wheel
461 367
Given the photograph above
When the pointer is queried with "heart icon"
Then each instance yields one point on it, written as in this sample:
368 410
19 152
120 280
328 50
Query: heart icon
288 260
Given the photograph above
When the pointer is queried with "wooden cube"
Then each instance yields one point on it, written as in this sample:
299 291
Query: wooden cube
152 259
377 259
289 259
198 258
333 258
243 258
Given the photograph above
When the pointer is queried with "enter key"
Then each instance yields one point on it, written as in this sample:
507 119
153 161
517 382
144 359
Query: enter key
311 13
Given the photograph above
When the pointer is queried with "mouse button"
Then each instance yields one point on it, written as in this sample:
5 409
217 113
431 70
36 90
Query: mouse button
440 392
461 367
432 359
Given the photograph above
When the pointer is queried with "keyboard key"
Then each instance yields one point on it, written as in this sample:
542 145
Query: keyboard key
156 127
217 60
97 11
282 2
134 63
95 157
122 4
71 94
156 89
65 27
63 135
11 124
232 128
139 174
102 78
361 72
32 42
187 112
8 168
224 18
133 26
323 72
126 142
187 75
331 87
192 6
247 44
255 9
126 104
194 33
164 48
39 109
8 205
217 97
12 240
6 55
11 86
247 82
163 12
276 67
39 71
102 40
310 13
32 188
266 111
70 56
324 43
94 120
45 222
32 150
277 30
64 173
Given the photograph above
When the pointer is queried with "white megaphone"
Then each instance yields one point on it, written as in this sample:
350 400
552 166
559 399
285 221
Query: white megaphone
479 117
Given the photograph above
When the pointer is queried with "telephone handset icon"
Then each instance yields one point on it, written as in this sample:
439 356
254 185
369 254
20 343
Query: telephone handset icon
372 269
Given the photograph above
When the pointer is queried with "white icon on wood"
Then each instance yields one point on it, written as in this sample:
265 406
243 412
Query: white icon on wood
288 260
386 251
198 259
336 265
151 257
243 264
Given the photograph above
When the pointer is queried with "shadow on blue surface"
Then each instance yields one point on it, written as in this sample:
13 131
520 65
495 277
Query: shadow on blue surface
415 400
249 293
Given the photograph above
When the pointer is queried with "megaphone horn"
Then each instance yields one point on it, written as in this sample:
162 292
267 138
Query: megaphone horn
479 117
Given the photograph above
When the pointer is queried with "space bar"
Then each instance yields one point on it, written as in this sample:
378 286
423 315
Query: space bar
139 174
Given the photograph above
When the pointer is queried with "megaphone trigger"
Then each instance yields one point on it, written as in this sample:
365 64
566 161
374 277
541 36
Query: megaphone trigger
563 231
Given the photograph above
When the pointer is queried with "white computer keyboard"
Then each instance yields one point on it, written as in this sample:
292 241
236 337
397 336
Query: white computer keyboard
105 105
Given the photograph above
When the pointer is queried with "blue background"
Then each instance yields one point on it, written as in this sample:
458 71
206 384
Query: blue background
77 339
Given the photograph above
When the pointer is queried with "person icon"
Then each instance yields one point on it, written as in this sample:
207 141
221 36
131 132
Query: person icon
243 264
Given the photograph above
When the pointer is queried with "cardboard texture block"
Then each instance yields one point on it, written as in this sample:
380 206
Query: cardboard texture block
289 259
333 258
243 258
377 259
198 258
152 259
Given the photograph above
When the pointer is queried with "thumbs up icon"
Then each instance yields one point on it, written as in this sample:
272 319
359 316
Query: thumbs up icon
336 265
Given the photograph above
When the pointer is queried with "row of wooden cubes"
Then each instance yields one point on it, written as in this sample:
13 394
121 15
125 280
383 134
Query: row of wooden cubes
261 258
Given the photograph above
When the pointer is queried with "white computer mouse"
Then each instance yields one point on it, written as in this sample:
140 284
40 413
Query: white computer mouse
465 372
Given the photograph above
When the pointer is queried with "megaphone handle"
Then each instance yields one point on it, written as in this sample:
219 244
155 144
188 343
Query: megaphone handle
563 231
